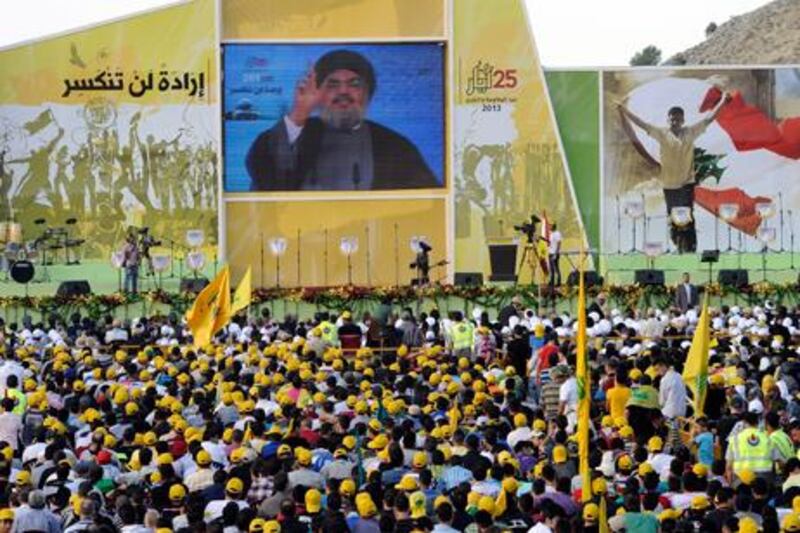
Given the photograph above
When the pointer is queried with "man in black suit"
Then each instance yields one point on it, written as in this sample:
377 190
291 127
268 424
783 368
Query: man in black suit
339 149
686 294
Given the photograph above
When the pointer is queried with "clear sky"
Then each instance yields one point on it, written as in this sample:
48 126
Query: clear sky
568 32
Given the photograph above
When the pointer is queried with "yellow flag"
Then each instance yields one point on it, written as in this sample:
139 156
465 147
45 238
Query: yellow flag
241 296
500 504
695 371
602 516
584 389
211 309
452 417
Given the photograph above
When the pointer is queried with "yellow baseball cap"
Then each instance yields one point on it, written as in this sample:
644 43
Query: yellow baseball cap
700 470
347 488
791 522
272 526
407 483
520 420
364 505
177 492
303 456
349 442
313 501
378 443
256 525
23 478
591 511
416 502
203 458
234 486
486 503
419 460
655 444
700 502
747 525
6 514
560 454
644 469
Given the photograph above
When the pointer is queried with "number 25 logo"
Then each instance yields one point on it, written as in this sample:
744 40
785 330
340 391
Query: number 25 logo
505 79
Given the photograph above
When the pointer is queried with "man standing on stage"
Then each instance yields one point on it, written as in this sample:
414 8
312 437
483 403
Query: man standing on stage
676 144
554 255
131 259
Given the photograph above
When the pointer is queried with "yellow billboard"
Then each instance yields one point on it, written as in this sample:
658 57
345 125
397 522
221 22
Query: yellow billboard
509 164
110 128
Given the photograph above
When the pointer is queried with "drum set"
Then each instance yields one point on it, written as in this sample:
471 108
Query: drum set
53 245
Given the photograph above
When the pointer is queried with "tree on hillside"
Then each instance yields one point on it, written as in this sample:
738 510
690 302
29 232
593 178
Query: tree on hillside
650 55
711 28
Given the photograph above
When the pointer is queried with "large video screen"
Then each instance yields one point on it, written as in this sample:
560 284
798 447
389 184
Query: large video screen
333 117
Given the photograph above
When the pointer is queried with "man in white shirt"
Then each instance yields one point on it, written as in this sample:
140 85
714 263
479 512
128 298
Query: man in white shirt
554 255
568 401
10 424
676 147
671 391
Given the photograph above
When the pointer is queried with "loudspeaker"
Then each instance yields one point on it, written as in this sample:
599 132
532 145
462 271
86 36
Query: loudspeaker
733 278
649 277
590 279
71 288
468 278
193 284
503 258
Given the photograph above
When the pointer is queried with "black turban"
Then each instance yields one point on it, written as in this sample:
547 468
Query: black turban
345 60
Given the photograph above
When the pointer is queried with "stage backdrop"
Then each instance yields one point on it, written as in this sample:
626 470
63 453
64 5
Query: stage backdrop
508 160
406 42
746 161
114 126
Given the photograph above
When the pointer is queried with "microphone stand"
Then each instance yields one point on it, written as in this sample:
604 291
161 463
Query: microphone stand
396 256
644 221
326 256
369 274
261 266
298 257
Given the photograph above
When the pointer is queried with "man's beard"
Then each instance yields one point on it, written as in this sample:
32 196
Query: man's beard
342 119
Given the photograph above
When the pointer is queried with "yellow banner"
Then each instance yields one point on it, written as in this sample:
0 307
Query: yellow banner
111 128
379 235
508 162
332 19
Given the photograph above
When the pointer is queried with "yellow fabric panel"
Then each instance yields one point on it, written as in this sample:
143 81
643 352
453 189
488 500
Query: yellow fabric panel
390 224
181 38
332 19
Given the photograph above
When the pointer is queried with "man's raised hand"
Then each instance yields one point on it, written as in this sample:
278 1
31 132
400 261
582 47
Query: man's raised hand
306 98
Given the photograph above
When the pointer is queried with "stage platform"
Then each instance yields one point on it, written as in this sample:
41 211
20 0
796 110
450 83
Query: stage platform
102 277
775 267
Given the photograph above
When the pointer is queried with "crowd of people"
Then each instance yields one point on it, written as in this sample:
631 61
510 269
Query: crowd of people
399 421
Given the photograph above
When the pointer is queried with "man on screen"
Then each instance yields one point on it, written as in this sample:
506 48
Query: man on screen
338 149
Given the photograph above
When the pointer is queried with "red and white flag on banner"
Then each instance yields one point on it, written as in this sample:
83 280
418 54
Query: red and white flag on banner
761 157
